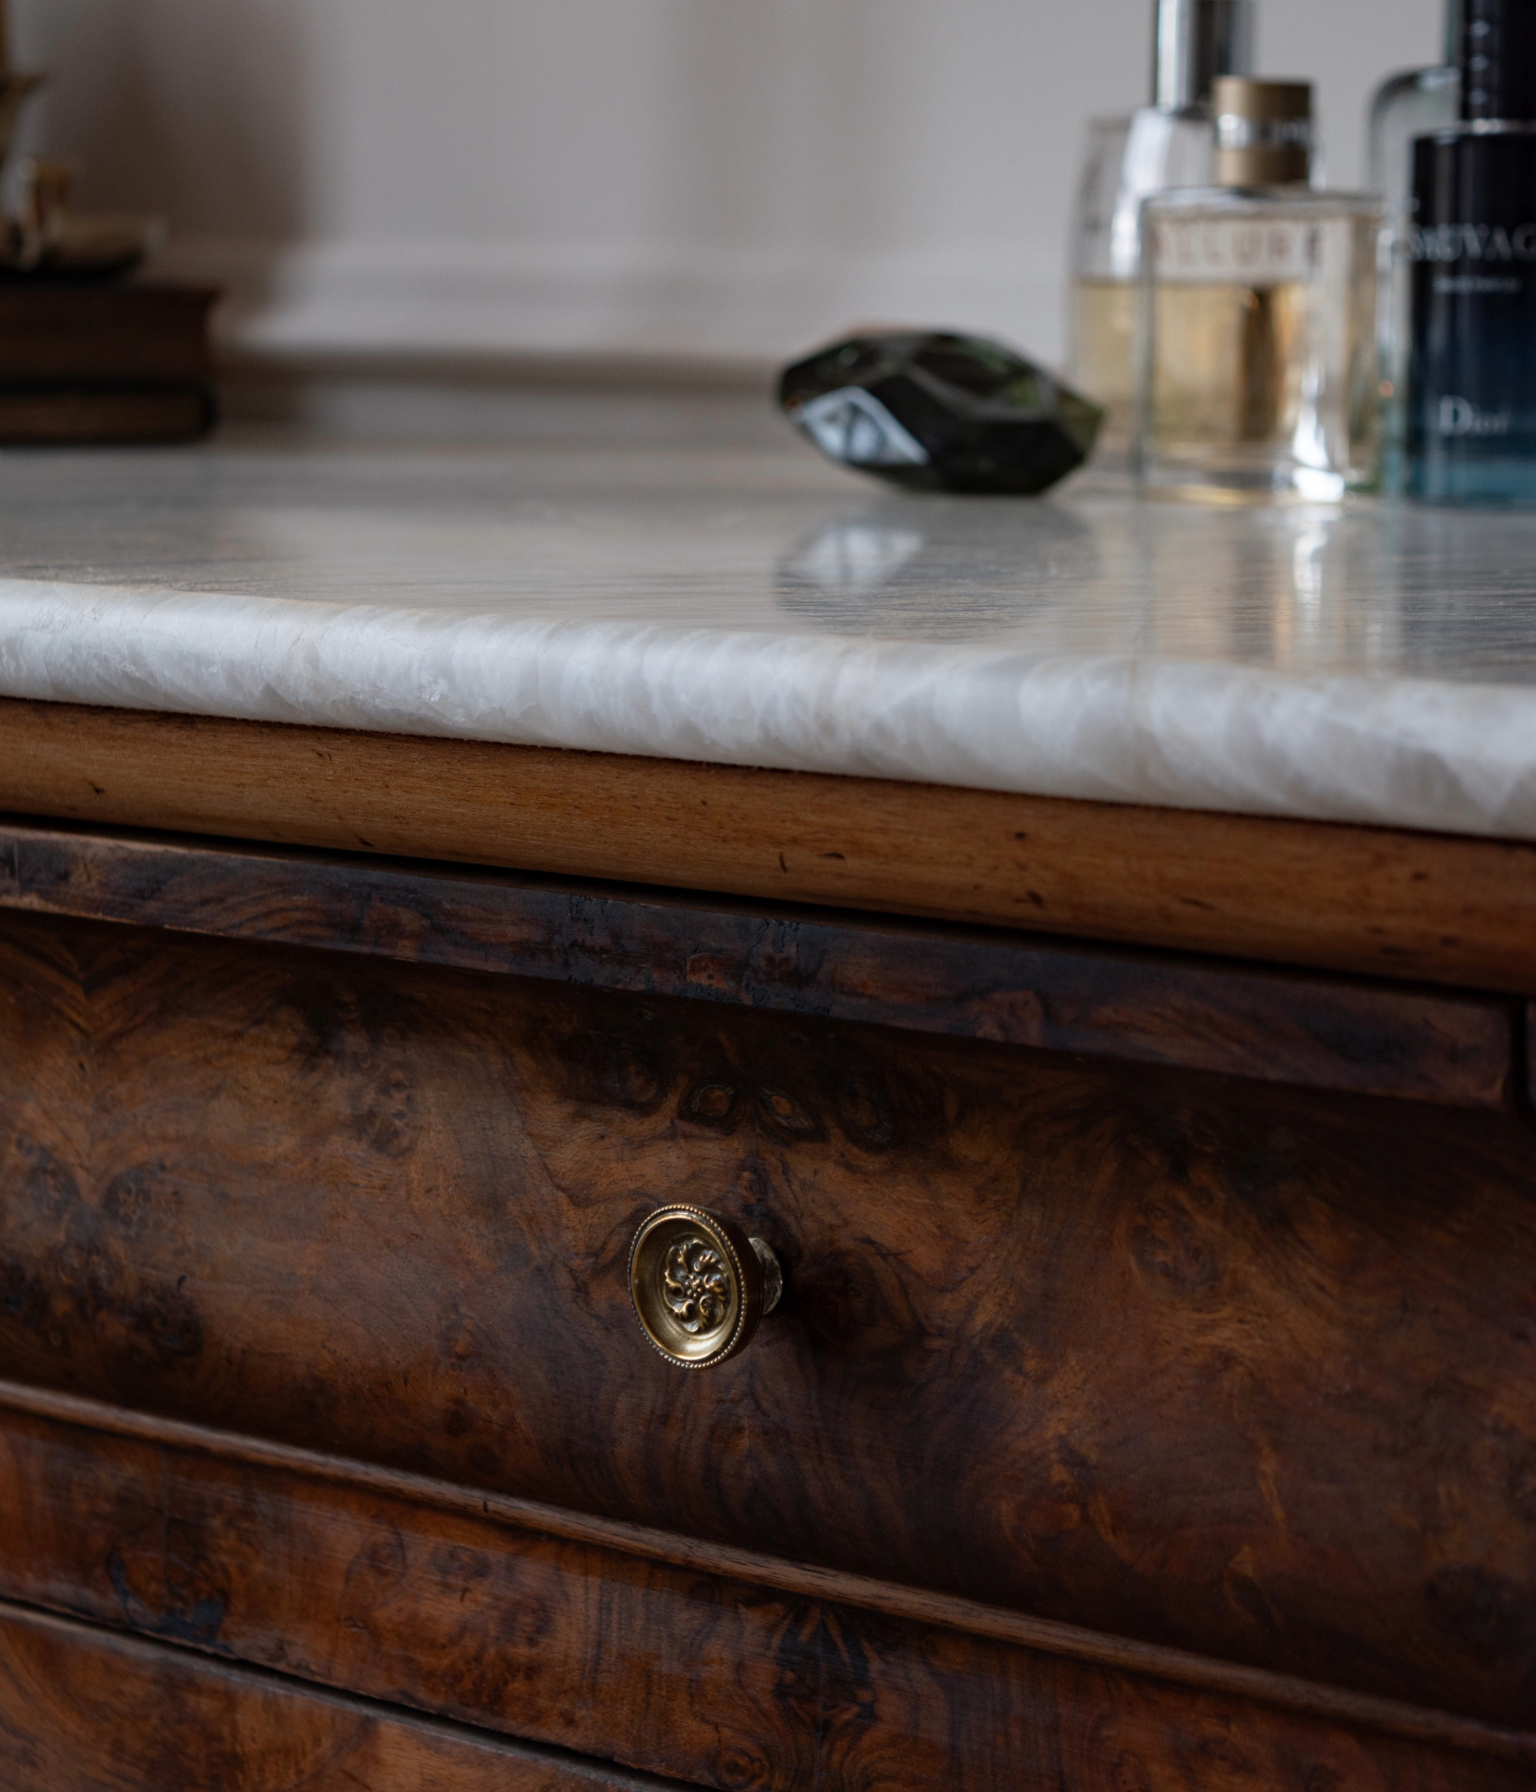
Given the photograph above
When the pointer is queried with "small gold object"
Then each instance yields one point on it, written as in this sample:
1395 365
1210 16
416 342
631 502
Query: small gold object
46 190
700 1285
51 237
1263 131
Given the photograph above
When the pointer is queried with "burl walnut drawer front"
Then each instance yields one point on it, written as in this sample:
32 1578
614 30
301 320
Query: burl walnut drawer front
82 1710
1177 1357
722 1669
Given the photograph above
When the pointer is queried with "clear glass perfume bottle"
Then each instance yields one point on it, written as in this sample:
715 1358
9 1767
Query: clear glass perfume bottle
1257 327
1167 144
1471 424
1404 107
1410 105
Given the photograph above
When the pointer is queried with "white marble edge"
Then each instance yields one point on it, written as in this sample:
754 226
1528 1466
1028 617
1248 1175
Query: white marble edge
1414 752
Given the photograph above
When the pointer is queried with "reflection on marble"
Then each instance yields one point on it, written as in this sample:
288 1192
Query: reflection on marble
1362 662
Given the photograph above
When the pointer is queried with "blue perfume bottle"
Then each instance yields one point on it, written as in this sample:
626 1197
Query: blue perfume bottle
1406 106
1472 367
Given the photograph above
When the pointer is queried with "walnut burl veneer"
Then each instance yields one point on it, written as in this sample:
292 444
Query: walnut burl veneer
731 1670
82 1710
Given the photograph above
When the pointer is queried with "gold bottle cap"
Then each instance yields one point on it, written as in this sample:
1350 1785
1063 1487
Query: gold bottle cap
1263 131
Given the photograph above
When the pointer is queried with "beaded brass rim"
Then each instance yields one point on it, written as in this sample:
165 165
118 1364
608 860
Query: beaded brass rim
699 1285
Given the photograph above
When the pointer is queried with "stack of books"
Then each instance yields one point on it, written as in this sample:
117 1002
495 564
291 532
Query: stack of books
89 362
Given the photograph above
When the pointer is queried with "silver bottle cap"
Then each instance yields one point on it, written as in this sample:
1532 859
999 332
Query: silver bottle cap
1197 41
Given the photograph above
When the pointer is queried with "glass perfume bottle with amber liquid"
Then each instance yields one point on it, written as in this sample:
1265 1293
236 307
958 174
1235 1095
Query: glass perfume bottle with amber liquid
1258 371
1169 143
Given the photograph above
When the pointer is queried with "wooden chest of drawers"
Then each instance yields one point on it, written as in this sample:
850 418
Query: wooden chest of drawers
1150 1405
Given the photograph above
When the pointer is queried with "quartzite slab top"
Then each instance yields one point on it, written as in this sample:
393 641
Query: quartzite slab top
1366 662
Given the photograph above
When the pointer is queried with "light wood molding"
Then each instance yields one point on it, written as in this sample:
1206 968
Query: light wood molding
1380 901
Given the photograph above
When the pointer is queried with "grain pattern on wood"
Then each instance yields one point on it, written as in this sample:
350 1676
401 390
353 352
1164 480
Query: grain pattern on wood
1378 901
1237 1369
704 1678
87 1710
1280 1026
803 1579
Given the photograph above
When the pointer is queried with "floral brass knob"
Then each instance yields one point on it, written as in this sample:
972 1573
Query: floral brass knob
700 1285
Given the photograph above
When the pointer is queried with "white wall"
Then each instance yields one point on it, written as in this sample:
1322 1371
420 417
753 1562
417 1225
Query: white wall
732 178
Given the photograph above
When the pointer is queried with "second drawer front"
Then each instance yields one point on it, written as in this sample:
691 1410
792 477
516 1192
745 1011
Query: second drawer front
713 1678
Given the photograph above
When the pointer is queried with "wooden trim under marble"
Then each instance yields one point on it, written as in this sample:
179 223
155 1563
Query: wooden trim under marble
1280 1026
1381 901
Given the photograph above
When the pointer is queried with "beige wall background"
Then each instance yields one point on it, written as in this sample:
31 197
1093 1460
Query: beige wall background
723 178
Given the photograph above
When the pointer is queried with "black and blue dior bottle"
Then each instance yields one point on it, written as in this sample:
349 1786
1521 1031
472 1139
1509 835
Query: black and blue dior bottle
1472 370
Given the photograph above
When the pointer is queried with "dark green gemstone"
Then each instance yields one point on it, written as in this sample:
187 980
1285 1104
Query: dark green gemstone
937 412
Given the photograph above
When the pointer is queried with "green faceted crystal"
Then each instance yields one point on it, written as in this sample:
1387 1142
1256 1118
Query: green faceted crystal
932 411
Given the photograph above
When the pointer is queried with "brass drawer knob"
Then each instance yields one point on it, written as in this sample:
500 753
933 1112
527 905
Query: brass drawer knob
700 1285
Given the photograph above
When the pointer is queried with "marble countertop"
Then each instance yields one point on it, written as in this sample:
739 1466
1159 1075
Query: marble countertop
1364 662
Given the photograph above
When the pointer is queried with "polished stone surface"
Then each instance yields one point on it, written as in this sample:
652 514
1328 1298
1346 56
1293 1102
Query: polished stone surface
1359 662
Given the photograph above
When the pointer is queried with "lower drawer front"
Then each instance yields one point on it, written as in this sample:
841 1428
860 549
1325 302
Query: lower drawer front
1242 1370
571 1641
82 1710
